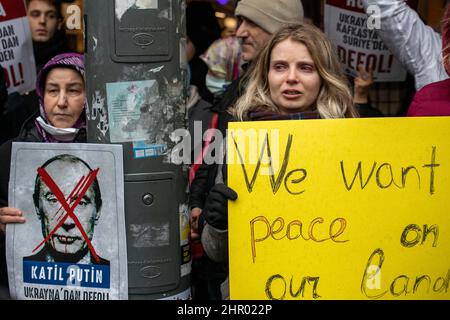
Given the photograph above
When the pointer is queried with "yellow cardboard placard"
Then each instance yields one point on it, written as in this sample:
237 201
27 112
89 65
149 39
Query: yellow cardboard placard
353 209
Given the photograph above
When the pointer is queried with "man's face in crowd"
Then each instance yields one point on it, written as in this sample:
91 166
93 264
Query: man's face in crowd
253 38
44 20
68 238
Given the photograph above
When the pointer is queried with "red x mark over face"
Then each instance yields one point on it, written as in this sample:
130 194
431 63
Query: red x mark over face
63 237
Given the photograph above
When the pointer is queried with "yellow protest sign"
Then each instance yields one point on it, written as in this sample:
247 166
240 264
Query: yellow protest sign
345 209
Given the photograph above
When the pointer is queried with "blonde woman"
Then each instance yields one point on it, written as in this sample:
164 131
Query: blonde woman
297 72
297 75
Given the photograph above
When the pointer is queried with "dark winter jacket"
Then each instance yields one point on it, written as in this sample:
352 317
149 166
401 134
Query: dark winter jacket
205 176
44 51
208 272
28 134
198 114
17 110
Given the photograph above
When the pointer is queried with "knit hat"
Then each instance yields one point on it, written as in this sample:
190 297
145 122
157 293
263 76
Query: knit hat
271 15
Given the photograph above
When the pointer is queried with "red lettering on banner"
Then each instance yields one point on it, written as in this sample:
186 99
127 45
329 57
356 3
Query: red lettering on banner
352 59
351 5
81 188
14 76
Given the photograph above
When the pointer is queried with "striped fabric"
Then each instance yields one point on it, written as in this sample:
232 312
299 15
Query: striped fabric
268 115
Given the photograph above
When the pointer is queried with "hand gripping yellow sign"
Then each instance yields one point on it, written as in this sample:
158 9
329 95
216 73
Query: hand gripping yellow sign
340 209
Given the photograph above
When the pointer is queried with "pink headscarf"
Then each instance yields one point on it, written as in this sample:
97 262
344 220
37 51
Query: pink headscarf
73 61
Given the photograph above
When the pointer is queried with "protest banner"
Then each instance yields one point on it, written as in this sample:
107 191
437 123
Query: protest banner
354 34
16 47
73 243
345 209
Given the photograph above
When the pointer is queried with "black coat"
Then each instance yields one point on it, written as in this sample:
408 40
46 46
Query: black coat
205 176
208 275
28 133
16 111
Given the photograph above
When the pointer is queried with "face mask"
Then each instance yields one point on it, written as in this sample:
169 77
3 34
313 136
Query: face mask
216 85
61 134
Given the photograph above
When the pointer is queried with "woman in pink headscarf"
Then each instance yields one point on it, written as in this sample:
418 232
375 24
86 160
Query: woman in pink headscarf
60 87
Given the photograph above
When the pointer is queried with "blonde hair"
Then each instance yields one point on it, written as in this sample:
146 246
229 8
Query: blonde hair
334 99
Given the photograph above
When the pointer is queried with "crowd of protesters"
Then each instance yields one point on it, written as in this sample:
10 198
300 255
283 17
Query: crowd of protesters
277 65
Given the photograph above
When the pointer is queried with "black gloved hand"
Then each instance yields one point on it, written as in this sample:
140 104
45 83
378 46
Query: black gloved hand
216 206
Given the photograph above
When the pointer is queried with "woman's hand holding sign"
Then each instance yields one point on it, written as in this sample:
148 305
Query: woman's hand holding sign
10 215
